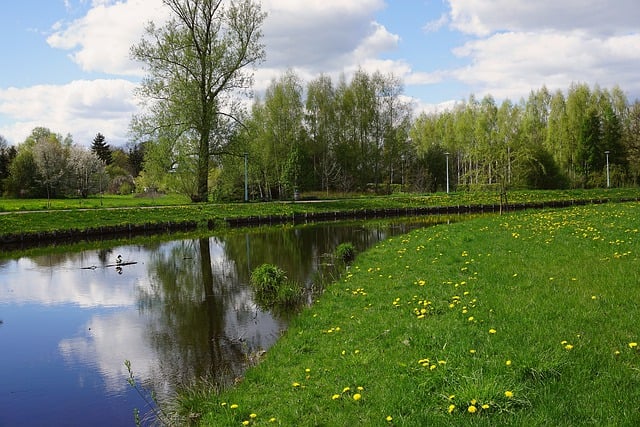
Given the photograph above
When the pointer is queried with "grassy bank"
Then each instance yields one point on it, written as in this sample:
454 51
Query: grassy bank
32 216
525 319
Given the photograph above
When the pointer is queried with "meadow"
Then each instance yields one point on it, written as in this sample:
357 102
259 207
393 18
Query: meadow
33 216
529 318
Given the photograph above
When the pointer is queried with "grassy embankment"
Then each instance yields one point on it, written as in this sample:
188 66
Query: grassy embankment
529 318
76 214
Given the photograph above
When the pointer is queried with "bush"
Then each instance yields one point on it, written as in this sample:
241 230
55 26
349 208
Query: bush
345 252
273 288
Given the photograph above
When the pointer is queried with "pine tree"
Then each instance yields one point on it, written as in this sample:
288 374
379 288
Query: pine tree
101 148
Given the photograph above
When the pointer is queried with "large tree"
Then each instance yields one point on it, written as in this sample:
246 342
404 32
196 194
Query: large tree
195 65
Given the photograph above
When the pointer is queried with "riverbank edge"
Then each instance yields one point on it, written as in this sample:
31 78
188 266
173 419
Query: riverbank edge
147 228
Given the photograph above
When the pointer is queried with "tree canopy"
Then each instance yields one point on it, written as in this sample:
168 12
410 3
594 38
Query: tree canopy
196 63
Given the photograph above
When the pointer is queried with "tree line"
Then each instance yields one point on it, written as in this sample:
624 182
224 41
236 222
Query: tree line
48 165
549 140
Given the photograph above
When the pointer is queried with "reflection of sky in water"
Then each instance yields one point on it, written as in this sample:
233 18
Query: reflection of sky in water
66 332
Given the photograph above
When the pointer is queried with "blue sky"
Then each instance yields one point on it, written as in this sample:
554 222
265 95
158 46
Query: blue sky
66 65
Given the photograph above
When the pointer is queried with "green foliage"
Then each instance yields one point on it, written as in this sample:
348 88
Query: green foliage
201 54
273 288
345 252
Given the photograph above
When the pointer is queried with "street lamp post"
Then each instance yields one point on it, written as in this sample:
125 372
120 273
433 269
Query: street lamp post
608 181
447 155
246 178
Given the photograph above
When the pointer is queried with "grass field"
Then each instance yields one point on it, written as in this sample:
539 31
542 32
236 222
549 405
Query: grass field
32 216
529 318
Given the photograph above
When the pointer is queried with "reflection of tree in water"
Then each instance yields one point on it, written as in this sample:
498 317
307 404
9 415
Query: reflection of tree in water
202 318
298 251
188 304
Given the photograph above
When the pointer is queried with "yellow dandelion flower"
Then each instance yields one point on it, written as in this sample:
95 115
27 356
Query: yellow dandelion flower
295 384
253 415
346 389
245 423
472 351
633 344
335 397
568 347
234 406
272 420
473 401
472 409
451 408
389 418
492 331
508 394
357 396
485 406
508 363
360 388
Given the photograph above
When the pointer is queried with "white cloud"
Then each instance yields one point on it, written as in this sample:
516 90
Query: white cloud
100 41
434 26
81 108
483 17
521 45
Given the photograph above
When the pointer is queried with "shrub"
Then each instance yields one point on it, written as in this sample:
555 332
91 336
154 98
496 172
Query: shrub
273 288
345 252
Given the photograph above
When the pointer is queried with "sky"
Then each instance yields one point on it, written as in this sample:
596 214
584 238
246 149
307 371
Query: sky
66 65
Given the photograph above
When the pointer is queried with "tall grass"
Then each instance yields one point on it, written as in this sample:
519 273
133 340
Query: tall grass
523 319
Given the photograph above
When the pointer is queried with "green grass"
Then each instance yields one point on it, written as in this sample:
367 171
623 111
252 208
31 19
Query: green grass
69 214
529 318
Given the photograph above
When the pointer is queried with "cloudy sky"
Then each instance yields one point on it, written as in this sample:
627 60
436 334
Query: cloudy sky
65 63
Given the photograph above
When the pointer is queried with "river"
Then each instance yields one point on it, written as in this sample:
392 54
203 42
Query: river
177 310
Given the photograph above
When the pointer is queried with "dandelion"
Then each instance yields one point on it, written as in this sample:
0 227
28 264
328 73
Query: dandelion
253 415
616 353
346 389
272 420
357 396
472 351
472 409
485 406
335 397
360 388
508 363
492 331
245 423
451 408
633 344
568 347
508 394
234 406
223 404
389 418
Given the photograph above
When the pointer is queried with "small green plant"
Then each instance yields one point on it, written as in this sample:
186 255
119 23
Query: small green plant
345 252
273 287
149 398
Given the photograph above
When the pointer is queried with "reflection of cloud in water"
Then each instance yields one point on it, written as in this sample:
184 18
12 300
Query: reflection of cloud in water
23 281
110 341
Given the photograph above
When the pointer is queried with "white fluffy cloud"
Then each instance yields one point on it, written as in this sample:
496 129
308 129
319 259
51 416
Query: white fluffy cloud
82 108
521 45
100 41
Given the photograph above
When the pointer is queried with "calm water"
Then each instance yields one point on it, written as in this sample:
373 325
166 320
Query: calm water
177 310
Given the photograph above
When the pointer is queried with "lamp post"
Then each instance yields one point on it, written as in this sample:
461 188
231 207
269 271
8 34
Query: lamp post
246 178
447 156
608 181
